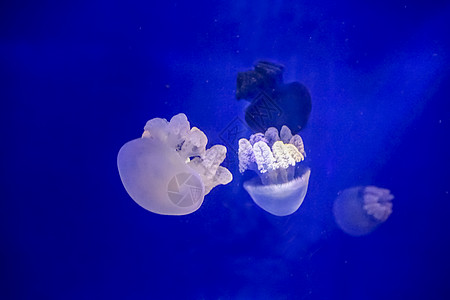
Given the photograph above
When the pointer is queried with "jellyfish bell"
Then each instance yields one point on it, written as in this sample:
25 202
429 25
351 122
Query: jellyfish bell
279 199
168 170
360 210
149 172
275 159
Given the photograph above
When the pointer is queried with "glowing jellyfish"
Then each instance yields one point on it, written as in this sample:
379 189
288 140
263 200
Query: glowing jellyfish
278 190
168 170
359 210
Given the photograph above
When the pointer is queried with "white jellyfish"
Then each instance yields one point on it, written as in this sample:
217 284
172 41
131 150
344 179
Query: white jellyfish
359 210
278 189
168 170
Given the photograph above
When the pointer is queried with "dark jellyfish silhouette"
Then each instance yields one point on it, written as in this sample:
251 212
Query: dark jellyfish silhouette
273 103
360 210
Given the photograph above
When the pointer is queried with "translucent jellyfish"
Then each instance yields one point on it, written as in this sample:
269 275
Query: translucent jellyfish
281 187
168 170
359 210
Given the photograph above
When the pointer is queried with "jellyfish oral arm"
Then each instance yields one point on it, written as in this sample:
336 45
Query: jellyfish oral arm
270 157
377 202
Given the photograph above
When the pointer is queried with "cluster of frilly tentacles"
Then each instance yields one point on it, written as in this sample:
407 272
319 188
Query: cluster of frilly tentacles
271 155
190 144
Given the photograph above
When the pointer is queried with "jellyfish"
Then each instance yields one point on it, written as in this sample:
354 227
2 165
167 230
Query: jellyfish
360 210
281 185
272 102
168 170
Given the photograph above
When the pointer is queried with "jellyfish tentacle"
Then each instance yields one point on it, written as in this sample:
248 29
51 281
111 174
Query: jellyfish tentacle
157 129
208 167
271 136
377 202
290 173
263 157
177 130
257 137
285 134
246 156
297 141
194 144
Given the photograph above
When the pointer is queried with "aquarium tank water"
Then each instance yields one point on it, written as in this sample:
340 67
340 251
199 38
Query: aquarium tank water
225 150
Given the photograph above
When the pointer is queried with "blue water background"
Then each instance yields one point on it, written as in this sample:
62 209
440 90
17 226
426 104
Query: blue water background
80 79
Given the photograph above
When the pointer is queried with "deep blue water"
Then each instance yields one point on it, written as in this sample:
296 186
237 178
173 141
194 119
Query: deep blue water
78 80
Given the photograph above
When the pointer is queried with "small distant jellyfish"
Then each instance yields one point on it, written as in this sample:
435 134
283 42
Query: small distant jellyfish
168 170
360 210
281 186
